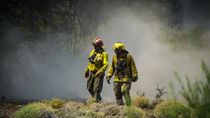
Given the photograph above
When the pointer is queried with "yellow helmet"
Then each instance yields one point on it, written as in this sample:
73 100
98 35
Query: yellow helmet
119 45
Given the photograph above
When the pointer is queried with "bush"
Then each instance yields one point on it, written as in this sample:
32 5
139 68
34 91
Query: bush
88 113
155 103
92 114
141 101
172 109
113 110
33 110
55 103
133 112
197 94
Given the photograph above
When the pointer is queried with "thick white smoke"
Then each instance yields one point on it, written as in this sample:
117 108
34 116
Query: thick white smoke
33 76
155 60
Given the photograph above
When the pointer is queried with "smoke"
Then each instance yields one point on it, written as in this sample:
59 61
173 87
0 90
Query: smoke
45 72
42 72
144 34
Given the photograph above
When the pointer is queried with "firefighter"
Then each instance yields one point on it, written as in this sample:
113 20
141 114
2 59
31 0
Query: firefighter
95 70
124 70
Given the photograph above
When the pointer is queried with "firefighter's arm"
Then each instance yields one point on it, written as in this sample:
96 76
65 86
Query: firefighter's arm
87 70
134 70
111 70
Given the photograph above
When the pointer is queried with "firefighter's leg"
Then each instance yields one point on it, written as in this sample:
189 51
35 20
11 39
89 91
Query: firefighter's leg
118 93
125 89
98 85
90 84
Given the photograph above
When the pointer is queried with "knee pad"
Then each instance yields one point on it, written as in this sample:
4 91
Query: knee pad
124 88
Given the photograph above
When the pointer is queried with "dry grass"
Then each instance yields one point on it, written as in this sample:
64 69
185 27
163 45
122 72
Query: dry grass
141 102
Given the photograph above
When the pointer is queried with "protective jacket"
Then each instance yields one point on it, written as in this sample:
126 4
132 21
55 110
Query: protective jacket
123 69
97 62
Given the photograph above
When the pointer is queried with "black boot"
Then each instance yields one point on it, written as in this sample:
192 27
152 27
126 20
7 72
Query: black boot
98 97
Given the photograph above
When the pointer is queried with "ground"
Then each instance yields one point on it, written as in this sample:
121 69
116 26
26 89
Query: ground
57 108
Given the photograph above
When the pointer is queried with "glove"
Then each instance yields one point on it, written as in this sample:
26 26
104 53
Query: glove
134 79
86 73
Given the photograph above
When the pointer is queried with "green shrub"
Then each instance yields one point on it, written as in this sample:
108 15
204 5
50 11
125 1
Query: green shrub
33 110
133 112
141 101
172 109
197 95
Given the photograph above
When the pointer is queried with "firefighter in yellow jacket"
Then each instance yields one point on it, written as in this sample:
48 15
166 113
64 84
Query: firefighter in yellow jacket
97 65
124 70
